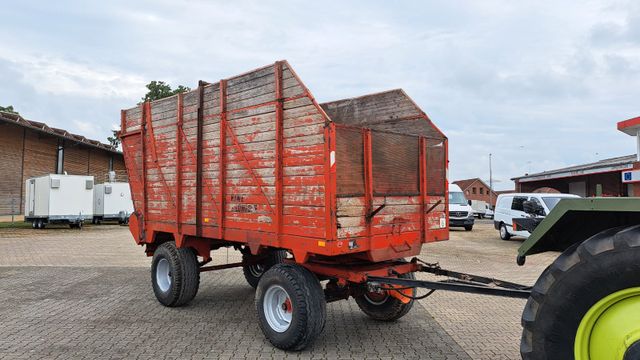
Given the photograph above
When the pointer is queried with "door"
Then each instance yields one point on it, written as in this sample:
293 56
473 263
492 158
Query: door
517 211
578 188
32 197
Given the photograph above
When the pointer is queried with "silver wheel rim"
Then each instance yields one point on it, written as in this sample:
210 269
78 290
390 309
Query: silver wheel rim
379 302
277 308
503 231
163 275
256 270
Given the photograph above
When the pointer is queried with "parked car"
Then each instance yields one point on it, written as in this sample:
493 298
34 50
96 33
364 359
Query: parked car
460 211
510 206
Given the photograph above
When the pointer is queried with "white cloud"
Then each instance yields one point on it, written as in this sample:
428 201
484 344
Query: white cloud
51 75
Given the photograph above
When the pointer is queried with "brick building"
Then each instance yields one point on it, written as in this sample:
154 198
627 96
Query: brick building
600 178
30 148
476 189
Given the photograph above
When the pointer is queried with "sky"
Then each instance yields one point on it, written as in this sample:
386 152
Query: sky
538 84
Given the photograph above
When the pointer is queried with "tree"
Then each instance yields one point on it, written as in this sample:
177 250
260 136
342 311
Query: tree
8 109
160 89
114 140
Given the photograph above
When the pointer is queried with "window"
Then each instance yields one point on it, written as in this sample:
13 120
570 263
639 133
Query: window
111 163
481 191
60 160
505 202
518 202
537 202
473 191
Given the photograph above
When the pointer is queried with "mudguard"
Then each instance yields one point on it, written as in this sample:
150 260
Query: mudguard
575 220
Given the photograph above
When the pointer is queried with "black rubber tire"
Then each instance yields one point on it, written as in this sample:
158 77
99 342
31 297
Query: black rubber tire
391 309
253 273
309 308
573 283
506 235
468 228
185 274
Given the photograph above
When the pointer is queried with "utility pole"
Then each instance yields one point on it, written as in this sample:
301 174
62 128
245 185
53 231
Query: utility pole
490 183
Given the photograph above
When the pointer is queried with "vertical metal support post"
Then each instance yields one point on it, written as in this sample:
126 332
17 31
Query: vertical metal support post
199 158
222 153
279 151
178 163
423 188
330 188
446 179
146 115
368 179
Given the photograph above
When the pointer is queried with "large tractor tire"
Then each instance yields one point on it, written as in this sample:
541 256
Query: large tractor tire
253 273
175 275
586 304
291 306
383 306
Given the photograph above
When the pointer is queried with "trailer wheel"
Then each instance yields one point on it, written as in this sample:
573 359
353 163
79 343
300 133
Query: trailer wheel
291 306
468 228
586 304
174 274
253 273
504 233
384 307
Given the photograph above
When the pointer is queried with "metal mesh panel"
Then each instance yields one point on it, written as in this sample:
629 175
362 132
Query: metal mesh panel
349 162
395 164
436 172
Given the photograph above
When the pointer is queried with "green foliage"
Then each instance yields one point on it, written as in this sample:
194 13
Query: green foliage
114 140
8 109
160 89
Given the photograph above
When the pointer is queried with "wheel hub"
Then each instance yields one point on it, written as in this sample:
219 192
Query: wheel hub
163 275
376 298
278 309
611 328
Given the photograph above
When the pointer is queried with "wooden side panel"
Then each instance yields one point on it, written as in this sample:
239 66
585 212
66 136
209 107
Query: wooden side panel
400 214
248 156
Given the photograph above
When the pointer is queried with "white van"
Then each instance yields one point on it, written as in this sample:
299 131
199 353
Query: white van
460 211
510 206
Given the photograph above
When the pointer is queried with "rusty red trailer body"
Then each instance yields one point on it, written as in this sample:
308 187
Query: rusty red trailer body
254 160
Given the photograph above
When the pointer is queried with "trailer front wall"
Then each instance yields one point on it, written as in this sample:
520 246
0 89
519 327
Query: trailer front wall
390 191
399 162
274 161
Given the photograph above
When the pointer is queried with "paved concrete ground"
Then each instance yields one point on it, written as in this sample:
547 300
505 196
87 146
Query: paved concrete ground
87 294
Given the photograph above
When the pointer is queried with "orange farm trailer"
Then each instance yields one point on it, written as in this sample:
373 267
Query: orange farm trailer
335 195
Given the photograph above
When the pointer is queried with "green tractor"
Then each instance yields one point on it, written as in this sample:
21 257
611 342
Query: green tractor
586 304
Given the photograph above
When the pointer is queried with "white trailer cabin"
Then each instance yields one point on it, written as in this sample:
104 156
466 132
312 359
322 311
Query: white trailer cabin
112 201
57 198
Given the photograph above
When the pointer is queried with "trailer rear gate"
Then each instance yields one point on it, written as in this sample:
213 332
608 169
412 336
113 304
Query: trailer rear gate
296 175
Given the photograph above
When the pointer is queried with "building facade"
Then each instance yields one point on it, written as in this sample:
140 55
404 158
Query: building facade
476 189
29 149
601 178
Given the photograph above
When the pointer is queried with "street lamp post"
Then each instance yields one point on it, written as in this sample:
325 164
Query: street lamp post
490 183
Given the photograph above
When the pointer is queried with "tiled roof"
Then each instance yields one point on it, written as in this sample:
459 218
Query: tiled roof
16 119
